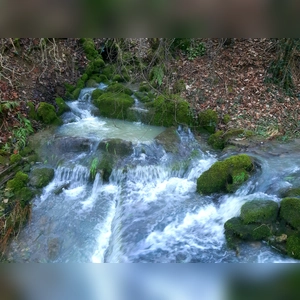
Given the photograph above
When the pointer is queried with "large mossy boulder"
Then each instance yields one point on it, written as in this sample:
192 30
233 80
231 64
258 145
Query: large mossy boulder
114 105
290 211
236 228
97 93
116 146
47 114
119 88
225 176
18 182
293 246
208 120
259 211
169 111
41 177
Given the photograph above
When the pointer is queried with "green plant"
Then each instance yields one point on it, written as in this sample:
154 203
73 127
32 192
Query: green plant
157 75
21 134
195 51
93 168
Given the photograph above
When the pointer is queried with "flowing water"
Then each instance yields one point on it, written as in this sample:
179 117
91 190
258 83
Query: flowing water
149 210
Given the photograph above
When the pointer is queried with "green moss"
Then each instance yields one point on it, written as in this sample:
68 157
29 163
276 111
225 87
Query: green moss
47 114
114 105
97 93
233 133
3 160
226 119
259 211
69 87
91 83
118 78
26 151
41 177
216 140
25 194
15 158
62 106
106 166
171 111
235 227
144 87
75 94
80 84
208 119
89 48
293 246
18 182
84 77
119 88
143 97
100 78
291 193
31 111
219 178
109 71
290 211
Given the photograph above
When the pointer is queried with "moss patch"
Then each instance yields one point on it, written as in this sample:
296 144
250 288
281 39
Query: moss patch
216 140
106 166
208 119
293 246
97 93
47 114
290 211
18 182
219 178
170 111
31 111
114 105
41 177
259 211
235 227
116 146
119 88
14 158
62 106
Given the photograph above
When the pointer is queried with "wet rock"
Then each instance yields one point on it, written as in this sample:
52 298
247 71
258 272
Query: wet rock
54 247
259 211
117 147
225 176
71 144
169 140
60 188
290 211
41 177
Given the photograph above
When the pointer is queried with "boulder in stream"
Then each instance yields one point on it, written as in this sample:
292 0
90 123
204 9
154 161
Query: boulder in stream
225 176
290 211
40 177
116 146
169 139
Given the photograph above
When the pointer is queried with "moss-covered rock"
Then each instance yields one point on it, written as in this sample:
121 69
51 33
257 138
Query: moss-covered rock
169 139
208 119
95 66
235 228
41 177
106 166
47 114
259 211
62 106
290 193
119 88
290 211
293 246
97 93
220 176
109 71
116 146
75 94
170 111
226 119
114 105
18 182
14 158
100 78
89 48
31 111
118 78
216 140
91 83
144 96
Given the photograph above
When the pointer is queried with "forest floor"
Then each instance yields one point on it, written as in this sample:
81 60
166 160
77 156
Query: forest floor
228 79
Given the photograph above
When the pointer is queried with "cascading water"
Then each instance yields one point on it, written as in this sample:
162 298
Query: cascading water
149 210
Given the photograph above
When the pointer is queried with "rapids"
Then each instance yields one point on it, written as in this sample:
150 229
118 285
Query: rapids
149 210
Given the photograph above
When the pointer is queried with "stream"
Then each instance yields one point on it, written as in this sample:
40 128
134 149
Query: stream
149 210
